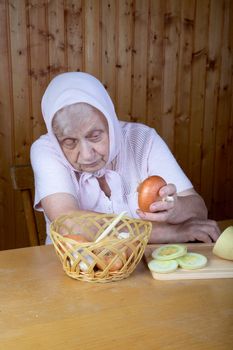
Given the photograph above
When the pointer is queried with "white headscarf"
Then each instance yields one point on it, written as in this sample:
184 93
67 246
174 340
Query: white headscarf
78 87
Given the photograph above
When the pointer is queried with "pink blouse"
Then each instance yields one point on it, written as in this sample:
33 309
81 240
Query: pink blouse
142 153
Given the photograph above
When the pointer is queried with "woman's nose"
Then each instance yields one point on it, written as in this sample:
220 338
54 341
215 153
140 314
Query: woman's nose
86 152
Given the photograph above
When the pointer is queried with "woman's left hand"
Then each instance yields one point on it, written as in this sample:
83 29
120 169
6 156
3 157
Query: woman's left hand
175 208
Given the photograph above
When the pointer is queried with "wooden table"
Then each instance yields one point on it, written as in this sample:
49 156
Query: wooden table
42 308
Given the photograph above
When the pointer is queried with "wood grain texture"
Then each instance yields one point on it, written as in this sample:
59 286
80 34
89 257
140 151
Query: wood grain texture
124 46
38 68
139 61
42 308
108 46
7 203
183 91
166 63
171 38
92 44
197 99
229 170
223 119
155 62
74 35
215 33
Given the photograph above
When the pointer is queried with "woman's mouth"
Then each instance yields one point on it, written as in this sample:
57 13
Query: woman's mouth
93 165
90 165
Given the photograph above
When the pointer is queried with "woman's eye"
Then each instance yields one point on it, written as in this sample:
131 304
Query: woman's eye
95 137
69 143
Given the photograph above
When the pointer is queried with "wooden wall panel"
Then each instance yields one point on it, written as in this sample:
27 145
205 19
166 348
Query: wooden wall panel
228 207
139 61
39 62
7 224
21 122
170 67
56 36
108 46
124 45
211 98
74 35
92 46
183 89
155 62
20 81
167 63
197 101
222 117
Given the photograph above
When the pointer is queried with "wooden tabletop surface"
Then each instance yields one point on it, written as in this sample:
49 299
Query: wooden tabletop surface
42 308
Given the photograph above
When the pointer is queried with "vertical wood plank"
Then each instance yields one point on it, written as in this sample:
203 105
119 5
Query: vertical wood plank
74 33
39 68
199 58
140 47
229 170
211 98
124 56
56 37
223 120
92 55
37 17
6 135
22 124
183 91
108 51
20 80
171 38
155 62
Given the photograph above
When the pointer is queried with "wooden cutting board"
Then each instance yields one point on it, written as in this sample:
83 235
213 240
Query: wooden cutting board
215 268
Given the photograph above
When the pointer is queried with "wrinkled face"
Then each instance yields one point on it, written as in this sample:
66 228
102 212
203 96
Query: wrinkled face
82 132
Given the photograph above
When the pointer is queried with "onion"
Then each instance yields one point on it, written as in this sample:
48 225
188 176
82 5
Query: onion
148 191
108 258
223 247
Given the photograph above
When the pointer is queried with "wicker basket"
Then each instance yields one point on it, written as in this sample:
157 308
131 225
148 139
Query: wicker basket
112 258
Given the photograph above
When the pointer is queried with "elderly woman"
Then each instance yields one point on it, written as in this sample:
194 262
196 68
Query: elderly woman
91 161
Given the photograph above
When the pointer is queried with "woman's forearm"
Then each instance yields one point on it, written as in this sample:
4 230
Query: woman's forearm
162 233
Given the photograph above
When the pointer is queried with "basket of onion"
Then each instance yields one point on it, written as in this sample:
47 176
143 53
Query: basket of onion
97 247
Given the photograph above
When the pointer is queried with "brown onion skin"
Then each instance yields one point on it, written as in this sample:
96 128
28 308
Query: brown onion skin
117 264
148 192
108 257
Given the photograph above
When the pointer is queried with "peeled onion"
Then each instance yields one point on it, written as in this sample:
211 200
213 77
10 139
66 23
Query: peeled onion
223 247
148 191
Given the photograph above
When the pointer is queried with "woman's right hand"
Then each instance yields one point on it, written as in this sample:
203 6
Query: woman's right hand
194 229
